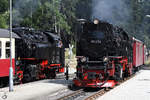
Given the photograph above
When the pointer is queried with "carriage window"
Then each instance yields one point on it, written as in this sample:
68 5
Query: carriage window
7 49
0 49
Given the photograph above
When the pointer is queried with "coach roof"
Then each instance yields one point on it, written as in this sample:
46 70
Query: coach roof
4 33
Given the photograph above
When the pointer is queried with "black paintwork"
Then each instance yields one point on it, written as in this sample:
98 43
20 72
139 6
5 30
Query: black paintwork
99 40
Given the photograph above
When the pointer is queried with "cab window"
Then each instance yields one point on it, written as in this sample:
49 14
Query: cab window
7 49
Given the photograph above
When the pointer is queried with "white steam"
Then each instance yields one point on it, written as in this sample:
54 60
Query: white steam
114 11
23 8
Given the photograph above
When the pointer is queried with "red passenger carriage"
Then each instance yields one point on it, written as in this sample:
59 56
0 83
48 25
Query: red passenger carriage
5 54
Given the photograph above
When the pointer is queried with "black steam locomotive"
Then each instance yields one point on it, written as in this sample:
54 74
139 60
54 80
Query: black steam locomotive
38 54
104 54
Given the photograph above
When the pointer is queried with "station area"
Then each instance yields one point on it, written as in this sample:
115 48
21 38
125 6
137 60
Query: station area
36 89
137 88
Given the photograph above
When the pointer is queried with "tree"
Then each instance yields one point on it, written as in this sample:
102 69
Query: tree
3 20
4 5
49 17
4 13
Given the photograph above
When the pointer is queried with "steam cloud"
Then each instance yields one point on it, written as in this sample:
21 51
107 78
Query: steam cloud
113 11
22 8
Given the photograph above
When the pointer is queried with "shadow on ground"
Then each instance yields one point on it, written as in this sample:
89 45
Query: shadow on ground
146 67
59 81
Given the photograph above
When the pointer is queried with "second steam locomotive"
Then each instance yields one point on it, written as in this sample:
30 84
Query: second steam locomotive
36 55
106 54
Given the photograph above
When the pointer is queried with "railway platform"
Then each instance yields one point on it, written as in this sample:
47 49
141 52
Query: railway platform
35 89
137 88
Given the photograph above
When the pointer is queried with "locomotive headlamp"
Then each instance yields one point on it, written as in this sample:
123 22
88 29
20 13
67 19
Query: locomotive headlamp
105 59
83 59
96 21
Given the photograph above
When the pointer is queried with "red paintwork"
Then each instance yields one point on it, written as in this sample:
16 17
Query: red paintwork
138 53
130 67
41 76
94 83
28 58
4 67
61 70
44 62
134 54
55 65
20 74
144 53
44 65
85 82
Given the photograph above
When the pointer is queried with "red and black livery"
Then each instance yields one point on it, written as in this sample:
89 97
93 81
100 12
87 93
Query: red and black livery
106 54
36 55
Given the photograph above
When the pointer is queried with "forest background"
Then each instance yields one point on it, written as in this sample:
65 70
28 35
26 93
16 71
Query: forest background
61 16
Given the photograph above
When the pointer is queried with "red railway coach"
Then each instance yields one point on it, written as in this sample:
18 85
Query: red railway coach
5 54
139 53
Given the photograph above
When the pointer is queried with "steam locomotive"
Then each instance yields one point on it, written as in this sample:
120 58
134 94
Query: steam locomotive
106 54
36 55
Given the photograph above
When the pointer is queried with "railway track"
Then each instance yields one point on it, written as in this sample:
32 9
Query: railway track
73 95
103 91
81 94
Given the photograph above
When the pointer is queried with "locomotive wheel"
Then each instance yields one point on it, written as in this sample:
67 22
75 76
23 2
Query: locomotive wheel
27 78
51 74
73 87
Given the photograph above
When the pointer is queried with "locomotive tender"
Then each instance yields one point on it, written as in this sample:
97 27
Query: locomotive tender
36 55
106 54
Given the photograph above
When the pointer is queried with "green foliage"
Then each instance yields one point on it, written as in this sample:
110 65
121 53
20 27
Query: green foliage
4 13
61 16
3 20
4 5
141 23
49 15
